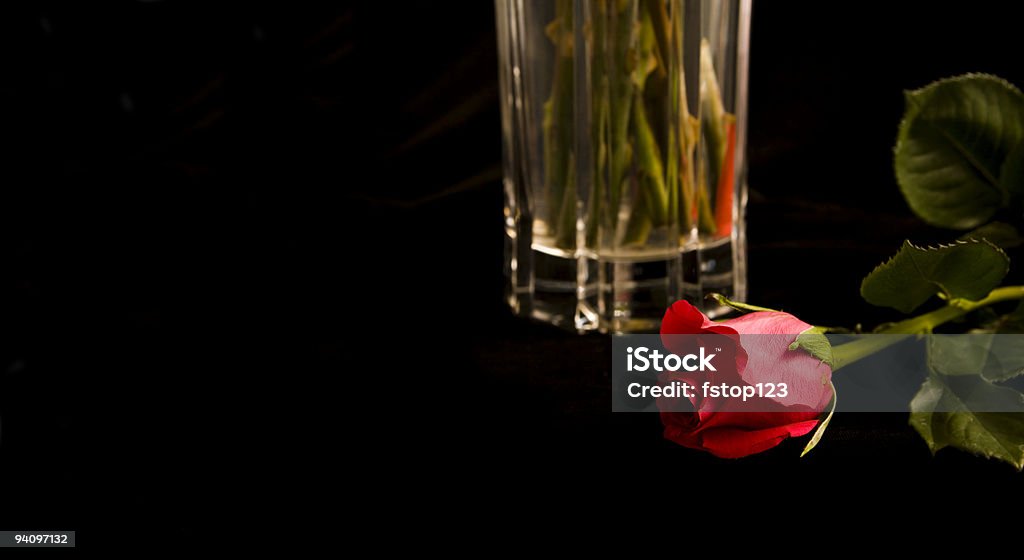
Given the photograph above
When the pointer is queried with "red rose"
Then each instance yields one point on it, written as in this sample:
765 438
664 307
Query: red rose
758 359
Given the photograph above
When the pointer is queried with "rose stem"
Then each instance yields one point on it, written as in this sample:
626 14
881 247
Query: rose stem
666 57
846 354
566 235
648 160
596 213
558 117
705 217
688 128
639 225
620 75
714 124
662 30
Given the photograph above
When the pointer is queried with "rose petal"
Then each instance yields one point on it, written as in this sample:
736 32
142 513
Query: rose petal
767 322
758 359
679 428
752 420
684 318
732 443
769 360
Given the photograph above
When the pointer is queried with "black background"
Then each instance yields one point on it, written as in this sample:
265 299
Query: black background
212 213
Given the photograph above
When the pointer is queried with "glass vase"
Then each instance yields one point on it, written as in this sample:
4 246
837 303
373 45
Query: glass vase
623 127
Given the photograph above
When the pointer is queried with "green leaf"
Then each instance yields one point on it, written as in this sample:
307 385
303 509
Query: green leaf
738 306
998 435
959 148
996 357
999 234
964 270
816 344
824 424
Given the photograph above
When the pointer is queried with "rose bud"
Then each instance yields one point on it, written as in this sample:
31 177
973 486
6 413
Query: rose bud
755 350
